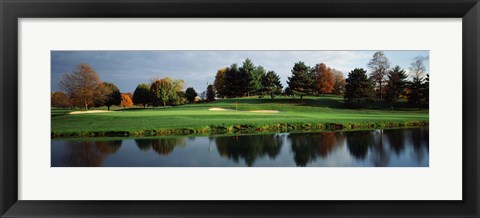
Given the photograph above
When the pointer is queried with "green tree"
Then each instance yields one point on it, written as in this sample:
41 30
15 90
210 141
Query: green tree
379 65
190 94
418 89
271 84
358 86
396 84
210 93
142 95
302 81
163 91
249 80
113 96
256 83
233 82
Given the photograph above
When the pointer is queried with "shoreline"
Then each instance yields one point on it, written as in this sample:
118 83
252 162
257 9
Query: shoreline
243 128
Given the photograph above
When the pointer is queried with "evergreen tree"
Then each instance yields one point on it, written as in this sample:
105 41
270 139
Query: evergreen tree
249 79
271 84
233 82
358 86
210 93
302 81
418 92
190 94
396 85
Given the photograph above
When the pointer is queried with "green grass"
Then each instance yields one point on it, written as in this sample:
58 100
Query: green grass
311 113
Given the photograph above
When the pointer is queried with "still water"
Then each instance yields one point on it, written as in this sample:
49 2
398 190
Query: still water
372 148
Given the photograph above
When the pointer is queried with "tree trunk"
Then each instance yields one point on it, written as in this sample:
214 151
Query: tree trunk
86 106
108 107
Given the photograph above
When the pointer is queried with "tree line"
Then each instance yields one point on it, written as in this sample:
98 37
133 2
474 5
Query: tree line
83 87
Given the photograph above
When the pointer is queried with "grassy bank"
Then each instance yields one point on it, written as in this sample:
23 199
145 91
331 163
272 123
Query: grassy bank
313 113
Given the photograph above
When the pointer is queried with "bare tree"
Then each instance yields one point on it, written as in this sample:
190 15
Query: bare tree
82 86
417 69
379 65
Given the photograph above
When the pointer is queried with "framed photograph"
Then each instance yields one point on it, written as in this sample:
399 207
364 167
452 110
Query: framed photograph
227 108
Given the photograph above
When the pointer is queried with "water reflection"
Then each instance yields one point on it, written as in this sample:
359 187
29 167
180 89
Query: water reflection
378 148
88 153
162 146
359 142
249 147
307 149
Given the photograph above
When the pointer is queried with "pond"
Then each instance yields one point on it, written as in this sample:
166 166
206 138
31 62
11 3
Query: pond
372 148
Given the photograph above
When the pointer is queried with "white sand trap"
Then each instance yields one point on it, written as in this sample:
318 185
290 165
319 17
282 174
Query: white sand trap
217 109
265 111
88 112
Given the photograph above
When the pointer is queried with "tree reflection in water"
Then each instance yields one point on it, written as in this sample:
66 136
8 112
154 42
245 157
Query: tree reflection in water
162 146
249 147
420 142
88 153
306 148
379 148
358 143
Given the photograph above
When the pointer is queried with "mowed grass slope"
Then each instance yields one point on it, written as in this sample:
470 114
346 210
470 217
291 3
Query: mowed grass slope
325 112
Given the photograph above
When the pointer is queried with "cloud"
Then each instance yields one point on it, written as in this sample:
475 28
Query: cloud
422 58
127 69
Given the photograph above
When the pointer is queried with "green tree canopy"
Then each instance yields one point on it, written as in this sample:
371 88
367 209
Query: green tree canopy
112 94
190 94
358 86
142 95
396 84
233 82
302 81
210 93
271 84
163 91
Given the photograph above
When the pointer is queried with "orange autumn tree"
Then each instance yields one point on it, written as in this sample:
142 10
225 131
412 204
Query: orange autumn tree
126 101
82 86
325 80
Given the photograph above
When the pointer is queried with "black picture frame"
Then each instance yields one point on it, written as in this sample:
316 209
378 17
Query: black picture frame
11 11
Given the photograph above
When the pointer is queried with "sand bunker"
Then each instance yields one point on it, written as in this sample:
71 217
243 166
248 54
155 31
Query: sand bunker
217 109
265 111
88 112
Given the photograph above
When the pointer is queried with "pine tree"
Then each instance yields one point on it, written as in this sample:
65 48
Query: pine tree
271 84
302 81
358 86
396 85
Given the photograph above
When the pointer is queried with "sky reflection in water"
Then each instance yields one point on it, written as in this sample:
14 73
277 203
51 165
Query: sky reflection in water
373 148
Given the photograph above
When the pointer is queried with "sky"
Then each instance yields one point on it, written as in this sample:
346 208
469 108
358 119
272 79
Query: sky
127 69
